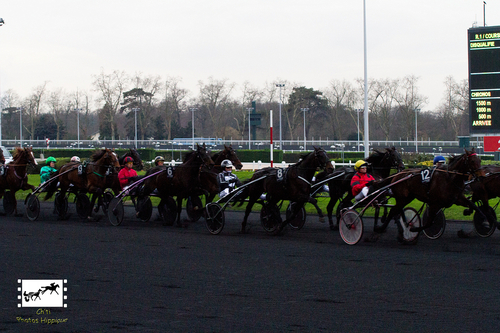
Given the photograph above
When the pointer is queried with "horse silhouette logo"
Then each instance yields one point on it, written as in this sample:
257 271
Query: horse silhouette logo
53 288
42 293
32 295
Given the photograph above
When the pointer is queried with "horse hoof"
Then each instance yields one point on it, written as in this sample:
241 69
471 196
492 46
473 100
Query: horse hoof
321 219
467 212
334 227
379 229
18 215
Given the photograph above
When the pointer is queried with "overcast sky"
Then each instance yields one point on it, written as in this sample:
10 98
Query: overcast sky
310 42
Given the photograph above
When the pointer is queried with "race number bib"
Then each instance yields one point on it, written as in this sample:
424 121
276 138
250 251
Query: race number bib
280 173
426 175
80 170
170 171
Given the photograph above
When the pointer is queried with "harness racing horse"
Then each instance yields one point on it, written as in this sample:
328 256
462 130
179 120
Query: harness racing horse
182 181
15 177
444 189
292 183
112 181
93 179
208 177
380 165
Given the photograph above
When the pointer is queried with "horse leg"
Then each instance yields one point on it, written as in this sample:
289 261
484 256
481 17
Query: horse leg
92 203
179 210
248 210
314 202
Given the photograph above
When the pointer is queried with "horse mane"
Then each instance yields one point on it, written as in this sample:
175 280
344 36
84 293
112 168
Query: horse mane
216 155
376 156
454 159
97 155
188 155
18 153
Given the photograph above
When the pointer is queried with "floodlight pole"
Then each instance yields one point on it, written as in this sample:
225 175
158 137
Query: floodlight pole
304 110
192 122
135 118
78 125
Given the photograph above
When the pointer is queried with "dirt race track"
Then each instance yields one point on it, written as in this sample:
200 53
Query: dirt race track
152 278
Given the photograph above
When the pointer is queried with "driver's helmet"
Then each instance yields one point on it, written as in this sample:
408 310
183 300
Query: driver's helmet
75 159
439 159
226 164
50 159
128 159
359 164
159 158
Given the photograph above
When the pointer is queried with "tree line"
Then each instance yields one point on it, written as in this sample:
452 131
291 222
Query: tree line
164 110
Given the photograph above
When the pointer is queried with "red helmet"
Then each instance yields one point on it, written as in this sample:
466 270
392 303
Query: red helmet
128 159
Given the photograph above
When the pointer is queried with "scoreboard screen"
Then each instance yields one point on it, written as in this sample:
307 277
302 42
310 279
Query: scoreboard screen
484 80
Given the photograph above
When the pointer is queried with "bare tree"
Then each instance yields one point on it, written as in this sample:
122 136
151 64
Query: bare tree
214 101
110 87
249 94
382 101
173 103
342 97
409 100
33 104
57 104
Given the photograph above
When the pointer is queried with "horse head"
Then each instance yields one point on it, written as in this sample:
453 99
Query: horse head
395 159
229 154
204 156
2 157
30 157
468 162
137 158
321 158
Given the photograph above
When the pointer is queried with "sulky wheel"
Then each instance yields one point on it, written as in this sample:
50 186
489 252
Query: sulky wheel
82 203
351 227
437 228
270 218
60 204
215 218
168 210
115 211
299 220
145 209
481 225
194 208
32 206
9 202
407 220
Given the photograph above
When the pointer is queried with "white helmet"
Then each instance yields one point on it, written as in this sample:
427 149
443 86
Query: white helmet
75 159
226 164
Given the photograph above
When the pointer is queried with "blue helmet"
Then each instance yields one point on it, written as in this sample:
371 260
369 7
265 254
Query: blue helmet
438 159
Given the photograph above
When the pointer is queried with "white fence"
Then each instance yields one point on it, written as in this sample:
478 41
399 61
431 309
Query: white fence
256 165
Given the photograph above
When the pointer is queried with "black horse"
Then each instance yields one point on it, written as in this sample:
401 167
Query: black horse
292 183
380 165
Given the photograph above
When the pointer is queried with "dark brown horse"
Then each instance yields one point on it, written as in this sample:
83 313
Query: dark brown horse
91 179
380 165
15 177
112 181
183 179
444 189
292 183
208 177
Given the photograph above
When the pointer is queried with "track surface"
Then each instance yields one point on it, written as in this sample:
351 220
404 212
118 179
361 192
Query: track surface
150 278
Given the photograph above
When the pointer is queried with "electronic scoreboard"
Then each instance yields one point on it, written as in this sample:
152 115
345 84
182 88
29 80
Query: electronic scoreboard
484 80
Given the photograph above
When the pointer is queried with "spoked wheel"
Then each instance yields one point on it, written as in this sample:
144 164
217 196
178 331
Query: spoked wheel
9 202
82 203
407 220
60 204
168 210
351 227
299 220
194 208
32 205
437 228
481 225
106 200
270 218
115 211
215 218
145 209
